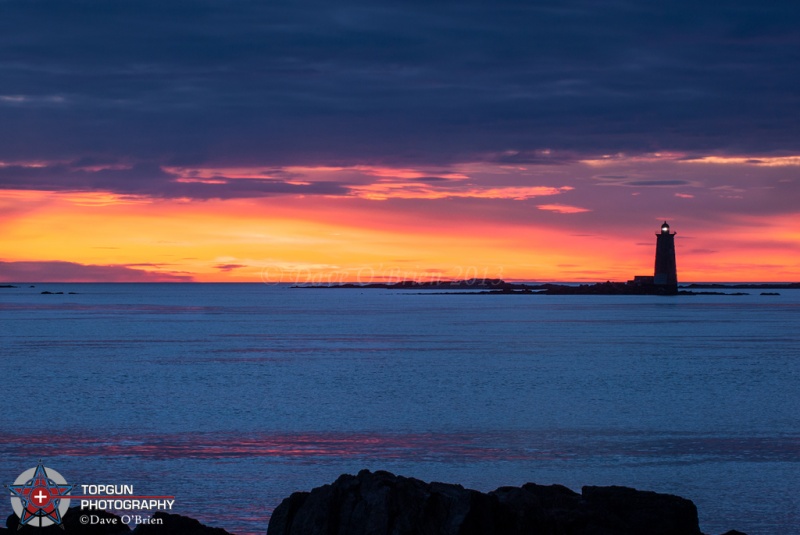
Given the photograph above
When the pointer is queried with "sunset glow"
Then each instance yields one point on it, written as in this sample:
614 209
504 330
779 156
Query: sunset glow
464 221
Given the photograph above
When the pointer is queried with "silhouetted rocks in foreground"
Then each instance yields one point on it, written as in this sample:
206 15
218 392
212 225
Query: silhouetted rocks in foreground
381 503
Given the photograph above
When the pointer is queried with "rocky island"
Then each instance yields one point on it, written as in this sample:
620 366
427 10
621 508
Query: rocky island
501 287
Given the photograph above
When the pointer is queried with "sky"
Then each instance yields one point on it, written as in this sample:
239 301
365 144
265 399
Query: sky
292 141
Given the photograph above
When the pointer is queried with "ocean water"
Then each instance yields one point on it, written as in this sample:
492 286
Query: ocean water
230 397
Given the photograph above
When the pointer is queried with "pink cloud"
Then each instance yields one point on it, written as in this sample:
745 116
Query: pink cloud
414 190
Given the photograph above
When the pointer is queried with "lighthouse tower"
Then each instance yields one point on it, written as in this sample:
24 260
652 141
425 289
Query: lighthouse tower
666 272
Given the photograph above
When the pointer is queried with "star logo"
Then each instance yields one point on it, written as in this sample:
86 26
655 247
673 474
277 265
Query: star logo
39 497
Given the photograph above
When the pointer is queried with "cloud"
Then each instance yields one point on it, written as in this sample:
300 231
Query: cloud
228 267
57 271
776 161
656 183
562 208
130 183
416 190
90 184
355 82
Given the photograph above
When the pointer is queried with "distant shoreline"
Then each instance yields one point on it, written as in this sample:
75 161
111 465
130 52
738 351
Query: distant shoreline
501 287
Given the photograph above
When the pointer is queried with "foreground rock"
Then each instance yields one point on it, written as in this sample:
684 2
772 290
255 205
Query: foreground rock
381 503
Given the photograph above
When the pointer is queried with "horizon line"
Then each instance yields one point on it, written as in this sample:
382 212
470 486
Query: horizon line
6 284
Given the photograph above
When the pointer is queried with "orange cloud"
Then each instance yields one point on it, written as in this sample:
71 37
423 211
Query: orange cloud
390 172
613 159
683 158
770 161
562 208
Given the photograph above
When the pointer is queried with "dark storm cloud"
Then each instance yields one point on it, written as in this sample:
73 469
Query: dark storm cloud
338 83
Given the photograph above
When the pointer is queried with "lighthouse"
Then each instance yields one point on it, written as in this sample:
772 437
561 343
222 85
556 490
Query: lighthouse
666 272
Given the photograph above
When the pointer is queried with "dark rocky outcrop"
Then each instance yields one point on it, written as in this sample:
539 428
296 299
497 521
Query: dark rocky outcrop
381 503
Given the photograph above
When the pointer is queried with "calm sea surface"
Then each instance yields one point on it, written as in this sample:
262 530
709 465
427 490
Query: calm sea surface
231 397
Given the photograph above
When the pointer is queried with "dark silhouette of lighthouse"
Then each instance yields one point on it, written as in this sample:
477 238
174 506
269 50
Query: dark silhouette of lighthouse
666 272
